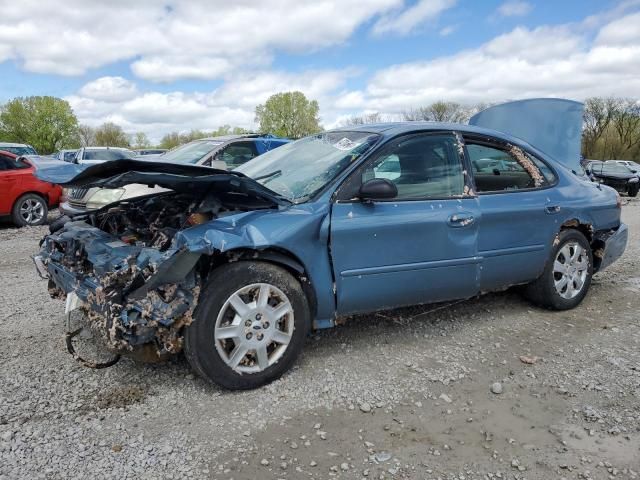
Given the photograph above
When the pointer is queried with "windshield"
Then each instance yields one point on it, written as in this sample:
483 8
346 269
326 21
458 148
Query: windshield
190 153
20 150
107 154
613 168
299 169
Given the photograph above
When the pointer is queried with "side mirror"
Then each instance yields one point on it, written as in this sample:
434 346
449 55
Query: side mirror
378 189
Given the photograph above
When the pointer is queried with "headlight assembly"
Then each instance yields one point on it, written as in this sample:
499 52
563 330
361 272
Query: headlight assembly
103 197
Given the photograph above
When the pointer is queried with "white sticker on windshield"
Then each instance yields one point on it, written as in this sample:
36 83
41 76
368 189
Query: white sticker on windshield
345 144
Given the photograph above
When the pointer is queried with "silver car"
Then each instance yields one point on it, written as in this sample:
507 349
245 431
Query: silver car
223 152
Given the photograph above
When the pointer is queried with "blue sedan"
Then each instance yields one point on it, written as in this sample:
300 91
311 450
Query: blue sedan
235 267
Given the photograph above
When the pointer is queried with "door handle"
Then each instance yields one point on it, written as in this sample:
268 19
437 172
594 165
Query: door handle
461 220
551 209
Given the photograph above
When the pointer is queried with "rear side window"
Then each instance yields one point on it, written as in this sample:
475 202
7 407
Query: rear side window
497 169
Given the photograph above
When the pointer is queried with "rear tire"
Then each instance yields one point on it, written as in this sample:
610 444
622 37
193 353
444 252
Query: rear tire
30 209
249 327
567 275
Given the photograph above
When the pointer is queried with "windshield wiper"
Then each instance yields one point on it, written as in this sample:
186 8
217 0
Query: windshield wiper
269 175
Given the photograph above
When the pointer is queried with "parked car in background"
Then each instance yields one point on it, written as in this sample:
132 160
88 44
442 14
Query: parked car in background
316 230
91 155
224 152
17 148
616 175
23 197
633 166
150 151
65 155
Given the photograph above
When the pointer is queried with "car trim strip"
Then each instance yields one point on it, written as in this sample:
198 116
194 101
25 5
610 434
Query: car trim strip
403 267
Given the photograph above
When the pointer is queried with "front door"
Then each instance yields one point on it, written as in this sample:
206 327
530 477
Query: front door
419 247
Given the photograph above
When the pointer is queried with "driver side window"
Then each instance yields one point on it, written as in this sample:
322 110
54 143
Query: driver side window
421 167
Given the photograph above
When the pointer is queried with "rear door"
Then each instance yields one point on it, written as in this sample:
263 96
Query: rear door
519 211
419 247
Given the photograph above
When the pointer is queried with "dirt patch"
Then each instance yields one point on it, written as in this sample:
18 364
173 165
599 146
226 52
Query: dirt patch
120 396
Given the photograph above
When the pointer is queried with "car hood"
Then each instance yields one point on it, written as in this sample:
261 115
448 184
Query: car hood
175 176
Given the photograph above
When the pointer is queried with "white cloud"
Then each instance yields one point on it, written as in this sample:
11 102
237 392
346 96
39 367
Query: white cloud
200 39
514 8
541 62
233 103
448 30
592 57
109 89
403 21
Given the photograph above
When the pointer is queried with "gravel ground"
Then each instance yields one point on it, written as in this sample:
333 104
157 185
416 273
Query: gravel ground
487 388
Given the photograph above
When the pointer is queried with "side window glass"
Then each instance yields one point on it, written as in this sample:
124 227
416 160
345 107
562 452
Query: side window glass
496 169
427 166
238 153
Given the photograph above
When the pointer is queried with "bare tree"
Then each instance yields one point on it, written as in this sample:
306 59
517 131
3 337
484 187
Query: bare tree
439 111
626 122
366 118
598 113
87 135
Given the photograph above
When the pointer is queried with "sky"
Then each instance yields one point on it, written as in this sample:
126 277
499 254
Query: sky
157 67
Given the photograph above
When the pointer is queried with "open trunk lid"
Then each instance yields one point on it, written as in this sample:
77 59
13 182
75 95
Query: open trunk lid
552 125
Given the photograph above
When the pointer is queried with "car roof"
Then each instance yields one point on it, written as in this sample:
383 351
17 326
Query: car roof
105 148
391 129
10 144
227 138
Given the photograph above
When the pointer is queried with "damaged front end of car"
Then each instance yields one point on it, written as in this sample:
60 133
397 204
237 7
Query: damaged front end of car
125 266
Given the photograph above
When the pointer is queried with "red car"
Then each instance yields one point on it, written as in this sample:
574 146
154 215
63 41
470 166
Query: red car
22 196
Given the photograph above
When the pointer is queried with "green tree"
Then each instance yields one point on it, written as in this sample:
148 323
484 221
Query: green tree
111 135
289 114
46 123
140 140
170 140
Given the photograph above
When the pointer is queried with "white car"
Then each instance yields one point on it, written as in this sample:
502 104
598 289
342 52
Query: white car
93 155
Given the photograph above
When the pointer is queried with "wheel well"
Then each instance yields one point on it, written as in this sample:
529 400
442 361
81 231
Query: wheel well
597 245
40 194
281 258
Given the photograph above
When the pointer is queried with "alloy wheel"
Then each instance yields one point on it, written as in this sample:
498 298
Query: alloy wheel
254 328
32 211
570 270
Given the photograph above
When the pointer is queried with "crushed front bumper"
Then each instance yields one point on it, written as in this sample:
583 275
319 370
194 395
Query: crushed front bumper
132 295
614 243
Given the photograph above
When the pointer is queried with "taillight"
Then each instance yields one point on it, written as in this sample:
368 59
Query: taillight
618 200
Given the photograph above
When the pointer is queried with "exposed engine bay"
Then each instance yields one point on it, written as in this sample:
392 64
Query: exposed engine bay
122 267
153 222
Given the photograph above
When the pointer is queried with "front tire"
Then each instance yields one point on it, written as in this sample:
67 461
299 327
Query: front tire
30 209
633 190
249 327
567 275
